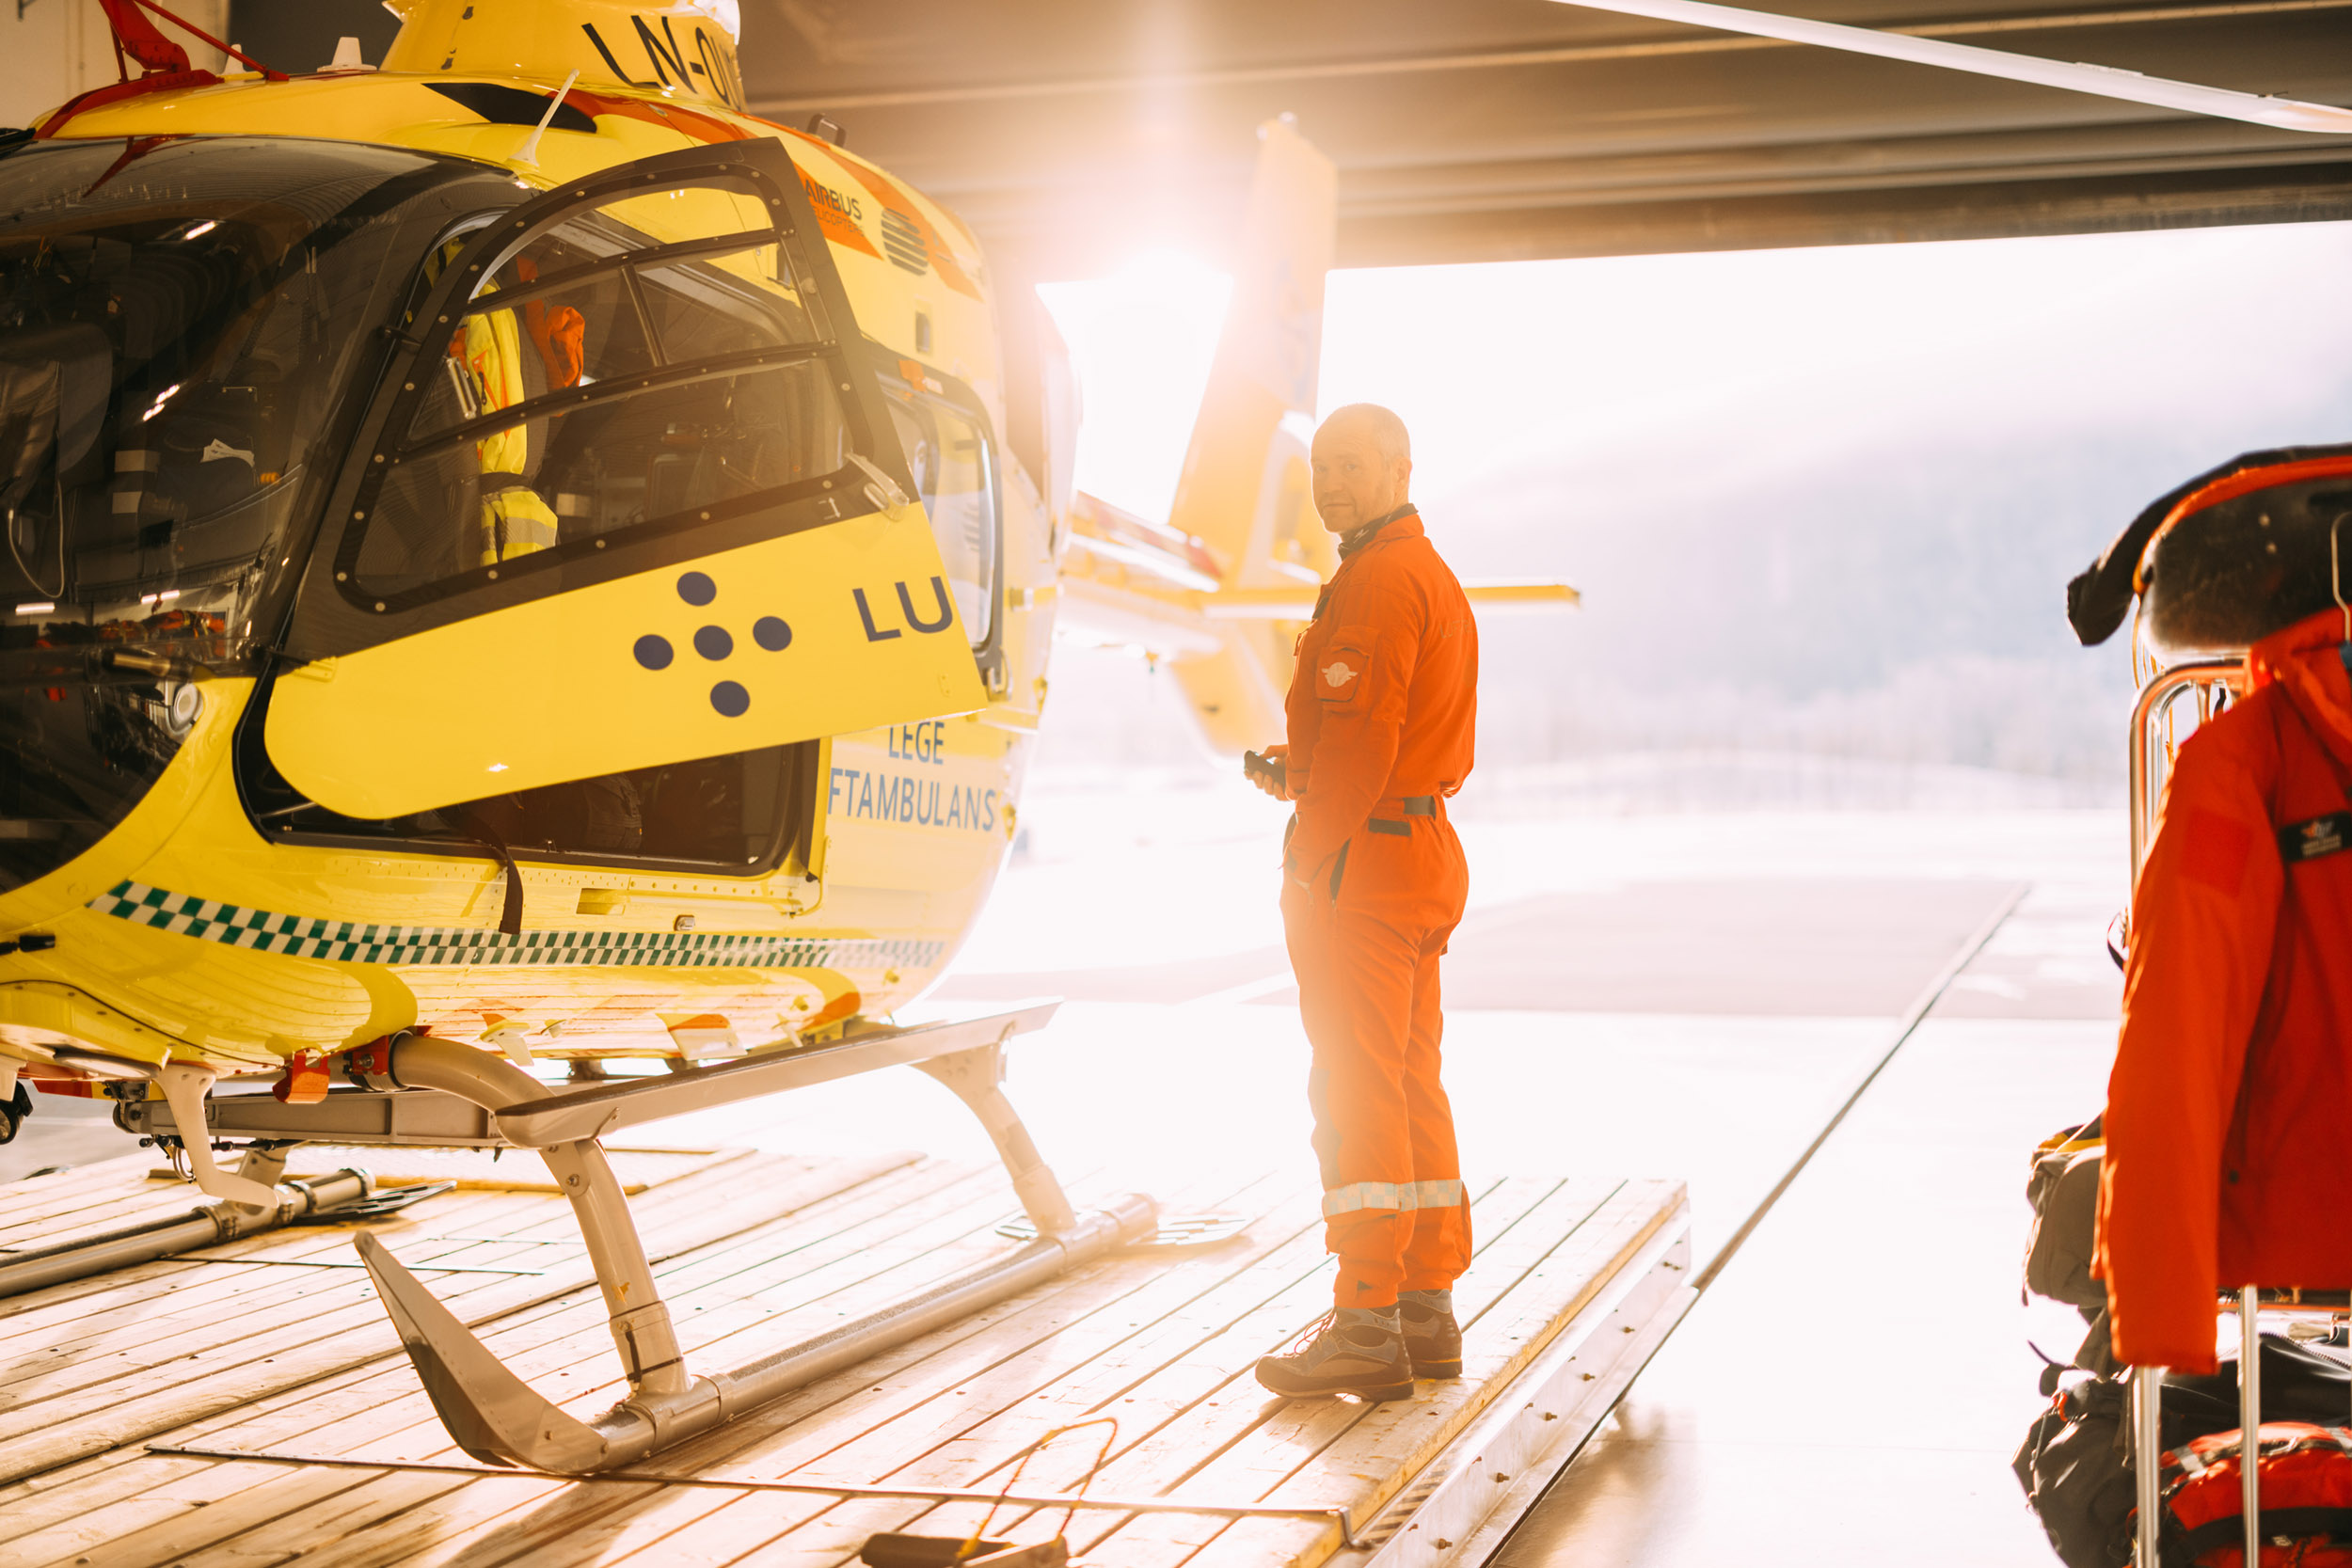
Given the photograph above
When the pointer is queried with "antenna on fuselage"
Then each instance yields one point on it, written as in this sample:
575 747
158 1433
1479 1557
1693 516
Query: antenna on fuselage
530 155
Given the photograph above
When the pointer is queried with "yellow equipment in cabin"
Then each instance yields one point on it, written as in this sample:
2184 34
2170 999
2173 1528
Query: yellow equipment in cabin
518 559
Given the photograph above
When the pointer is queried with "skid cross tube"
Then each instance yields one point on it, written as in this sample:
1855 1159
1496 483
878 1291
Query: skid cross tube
498 1418
544 1119
427 1118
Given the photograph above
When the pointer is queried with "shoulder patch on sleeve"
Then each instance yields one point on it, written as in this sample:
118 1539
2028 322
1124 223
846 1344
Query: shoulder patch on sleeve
1342 667
2214 850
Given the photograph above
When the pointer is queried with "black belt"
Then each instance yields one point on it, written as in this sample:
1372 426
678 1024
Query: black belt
1414 805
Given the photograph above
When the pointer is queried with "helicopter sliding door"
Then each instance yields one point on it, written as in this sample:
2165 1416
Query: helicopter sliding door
628 497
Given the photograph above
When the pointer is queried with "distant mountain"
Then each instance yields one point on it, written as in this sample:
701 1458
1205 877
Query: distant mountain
1902 602
1889 604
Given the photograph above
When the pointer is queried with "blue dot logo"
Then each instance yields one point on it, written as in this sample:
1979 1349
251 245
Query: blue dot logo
730 699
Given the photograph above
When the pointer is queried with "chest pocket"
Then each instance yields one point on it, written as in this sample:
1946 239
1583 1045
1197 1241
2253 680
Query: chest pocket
1344 669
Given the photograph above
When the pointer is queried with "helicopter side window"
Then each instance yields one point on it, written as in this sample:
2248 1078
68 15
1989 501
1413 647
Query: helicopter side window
947 452
647 382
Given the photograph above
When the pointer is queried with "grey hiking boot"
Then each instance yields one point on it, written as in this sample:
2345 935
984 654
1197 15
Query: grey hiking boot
1432 1338
1352 1350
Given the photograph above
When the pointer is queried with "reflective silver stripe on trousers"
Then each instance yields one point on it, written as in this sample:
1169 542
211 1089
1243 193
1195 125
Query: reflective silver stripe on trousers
1398 1197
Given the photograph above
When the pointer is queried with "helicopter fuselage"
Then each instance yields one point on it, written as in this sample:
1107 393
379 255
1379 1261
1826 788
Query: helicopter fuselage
255 818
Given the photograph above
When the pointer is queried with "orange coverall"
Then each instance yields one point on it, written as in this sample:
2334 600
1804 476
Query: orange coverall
2230 1110
1381 710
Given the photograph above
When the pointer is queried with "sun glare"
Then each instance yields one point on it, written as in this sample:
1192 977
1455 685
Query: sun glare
1142 340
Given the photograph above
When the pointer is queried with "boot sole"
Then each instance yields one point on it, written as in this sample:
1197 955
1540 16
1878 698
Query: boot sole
1439 1370
1372 1393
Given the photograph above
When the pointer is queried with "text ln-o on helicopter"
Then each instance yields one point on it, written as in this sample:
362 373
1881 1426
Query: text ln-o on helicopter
512 559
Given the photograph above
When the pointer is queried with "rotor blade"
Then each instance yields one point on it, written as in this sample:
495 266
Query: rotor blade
2285 113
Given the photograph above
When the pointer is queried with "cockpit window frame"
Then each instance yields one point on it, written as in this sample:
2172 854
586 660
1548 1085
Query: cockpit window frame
336 613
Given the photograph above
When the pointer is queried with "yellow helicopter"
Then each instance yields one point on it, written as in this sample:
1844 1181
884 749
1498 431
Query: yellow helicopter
512 559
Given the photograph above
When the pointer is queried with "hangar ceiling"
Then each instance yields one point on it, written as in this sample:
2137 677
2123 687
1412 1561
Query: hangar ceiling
1075 130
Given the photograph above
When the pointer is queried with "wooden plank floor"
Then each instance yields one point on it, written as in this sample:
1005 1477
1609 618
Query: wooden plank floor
1163 1342
83 1365
87 1199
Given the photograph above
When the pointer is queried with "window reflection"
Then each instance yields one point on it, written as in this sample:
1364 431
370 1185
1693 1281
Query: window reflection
948 454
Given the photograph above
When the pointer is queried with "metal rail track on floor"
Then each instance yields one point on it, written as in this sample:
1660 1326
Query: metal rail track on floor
1504 1519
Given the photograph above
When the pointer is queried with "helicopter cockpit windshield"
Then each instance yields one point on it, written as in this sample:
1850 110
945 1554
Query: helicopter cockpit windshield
180 319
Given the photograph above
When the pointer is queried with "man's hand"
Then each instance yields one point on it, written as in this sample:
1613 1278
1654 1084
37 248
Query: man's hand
1276 783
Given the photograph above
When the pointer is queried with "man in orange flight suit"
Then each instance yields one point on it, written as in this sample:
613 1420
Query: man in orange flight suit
1382 704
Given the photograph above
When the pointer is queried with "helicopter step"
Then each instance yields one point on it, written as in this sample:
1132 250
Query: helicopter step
1573 1283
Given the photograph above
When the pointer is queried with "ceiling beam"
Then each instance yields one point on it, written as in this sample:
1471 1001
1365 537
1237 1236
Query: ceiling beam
1494 59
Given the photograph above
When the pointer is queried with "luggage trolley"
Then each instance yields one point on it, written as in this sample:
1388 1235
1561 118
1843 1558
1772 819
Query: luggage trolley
2205 595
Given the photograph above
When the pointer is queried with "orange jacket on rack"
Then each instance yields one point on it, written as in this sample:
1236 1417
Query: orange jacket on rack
2228 1122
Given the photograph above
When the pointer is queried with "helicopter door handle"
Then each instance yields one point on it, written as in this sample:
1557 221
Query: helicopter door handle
883 490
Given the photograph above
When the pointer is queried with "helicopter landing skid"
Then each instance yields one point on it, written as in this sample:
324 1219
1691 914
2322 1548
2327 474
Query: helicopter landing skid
500 1419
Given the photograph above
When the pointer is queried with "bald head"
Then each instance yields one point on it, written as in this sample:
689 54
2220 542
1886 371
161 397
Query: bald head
1379 425
1363 465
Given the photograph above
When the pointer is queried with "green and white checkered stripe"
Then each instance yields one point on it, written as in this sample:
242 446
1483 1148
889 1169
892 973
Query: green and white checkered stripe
344 942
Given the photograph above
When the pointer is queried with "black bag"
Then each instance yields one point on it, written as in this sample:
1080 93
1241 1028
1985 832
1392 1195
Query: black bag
2299 1383
2073 1470
2075 1466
